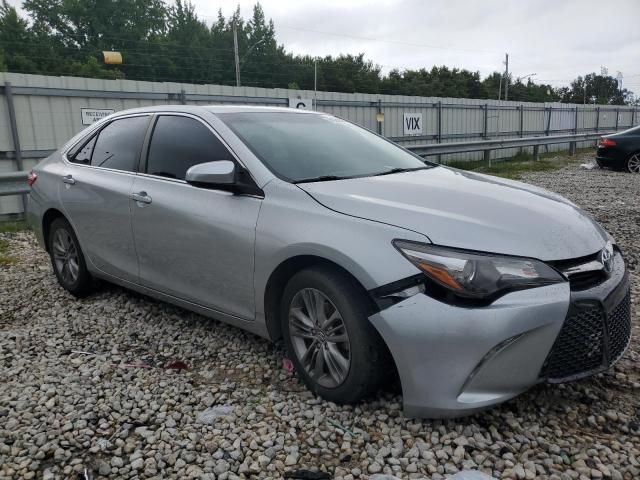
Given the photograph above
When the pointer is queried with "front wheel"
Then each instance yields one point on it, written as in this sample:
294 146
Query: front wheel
336 351
633 163
67 259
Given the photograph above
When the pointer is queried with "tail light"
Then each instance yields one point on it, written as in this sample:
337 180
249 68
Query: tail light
31 179
606 142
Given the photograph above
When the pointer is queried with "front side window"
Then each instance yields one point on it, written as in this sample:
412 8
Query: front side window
118 144
298 147
178 143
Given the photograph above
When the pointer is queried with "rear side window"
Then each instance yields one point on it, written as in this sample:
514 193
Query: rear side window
178 143
83 153
118 144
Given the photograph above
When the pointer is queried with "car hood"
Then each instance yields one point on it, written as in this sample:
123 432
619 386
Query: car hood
467 210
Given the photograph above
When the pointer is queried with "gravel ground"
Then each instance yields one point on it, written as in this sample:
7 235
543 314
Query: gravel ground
122 412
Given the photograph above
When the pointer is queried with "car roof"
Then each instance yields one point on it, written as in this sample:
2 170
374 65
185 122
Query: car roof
196 109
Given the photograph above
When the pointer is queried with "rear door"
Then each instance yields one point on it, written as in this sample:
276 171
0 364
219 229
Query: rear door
95 188
193 243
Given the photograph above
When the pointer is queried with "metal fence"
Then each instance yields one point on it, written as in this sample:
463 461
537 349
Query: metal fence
40 113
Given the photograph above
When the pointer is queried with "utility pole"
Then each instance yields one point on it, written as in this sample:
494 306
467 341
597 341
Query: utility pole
506 77
235 50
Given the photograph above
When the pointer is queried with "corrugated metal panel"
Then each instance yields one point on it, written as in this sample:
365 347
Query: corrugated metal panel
46 122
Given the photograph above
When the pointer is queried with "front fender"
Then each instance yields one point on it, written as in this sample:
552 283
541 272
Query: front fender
291 223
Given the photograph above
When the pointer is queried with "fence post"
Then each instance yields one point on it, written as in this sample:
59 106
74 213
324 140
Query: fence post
14 135
485 132
573 145
546 132
597 119
521 121
536 152
633 116
379 124
617 118
183 97
440 127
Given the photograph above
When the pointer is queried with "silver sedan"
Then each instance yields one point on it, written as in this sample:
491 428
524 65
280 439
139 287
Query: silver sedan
369 263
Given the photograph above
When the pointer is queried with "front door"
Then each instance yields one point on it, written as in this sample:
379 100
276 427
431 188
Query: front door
193 243
95 188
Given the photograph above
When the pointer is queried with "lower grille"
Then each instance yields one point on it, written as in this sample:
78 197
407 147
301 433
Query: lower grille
619 328
590 340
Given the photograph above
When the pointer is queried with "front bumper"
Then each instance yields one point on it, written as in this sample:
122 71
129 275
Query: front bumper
453 361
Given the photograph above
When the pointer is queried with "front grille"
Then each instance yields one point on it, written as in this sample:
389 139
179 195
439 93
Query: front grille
619 328
586 280
589 341
583 273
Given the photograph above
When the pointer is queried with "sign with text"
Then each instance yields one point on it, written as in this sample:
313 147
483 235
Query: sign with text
92 115
412 124
301 103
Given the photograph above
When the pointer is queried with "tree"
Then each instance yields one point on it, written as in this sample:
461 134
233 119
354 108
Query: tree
18 42
437 82
168 42
598 89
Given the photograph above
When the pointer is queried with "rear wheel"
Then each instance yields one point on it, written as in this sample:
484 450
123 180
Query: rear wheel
633 163
335 349
67 259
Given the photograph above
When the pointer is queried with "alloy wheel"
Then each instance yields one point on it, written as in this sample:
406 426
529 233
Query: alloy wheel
319 337
633 164
65 256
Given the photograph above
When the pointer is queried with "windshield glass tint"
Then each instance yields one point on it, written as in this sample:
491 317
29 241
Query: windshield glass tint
297 147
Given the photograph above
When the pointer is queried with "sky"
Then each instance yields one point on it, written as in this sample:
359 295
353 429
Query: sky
555 39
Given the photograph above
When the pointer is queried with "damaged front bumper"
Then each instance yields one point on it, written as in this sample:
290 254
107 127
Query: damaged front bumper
453 360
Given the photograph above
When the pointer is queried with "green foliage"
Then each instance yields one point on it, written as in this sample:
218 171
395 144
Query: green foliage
12 226
168 42
595 89
9 227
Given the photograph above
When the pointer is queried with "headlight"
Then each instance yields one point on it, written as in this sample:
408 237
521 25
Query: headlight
476 275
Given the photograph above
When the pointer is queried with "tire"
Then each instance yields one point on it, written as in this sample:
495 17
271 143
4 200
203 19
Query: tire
367 355
68 260
632 165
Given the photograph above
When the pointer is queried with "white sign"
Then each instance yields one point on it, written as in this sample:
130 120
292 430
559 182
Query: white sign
302 103
412 124
92 115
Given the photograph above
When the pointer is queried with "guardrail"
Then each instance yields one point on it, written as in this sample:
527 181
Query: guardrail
488 145
13 183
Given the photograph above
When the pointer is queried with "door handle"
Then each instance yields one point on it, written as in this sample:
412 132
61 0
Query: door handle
141 197
68 179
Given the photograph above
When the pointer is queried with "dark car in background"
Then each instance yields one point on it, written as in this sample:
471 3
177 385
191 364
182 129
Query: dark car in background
620 151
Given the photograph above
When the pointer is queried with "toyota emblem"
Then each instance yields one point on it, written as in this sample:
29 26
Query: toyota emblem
606 257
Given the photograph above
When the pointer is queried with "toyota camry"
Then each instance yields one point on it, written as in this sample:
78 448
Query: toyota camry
366 261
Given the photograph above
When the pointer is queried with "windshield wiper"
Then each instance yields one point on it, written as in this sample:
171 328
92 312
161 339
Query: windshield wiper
400 170
321 178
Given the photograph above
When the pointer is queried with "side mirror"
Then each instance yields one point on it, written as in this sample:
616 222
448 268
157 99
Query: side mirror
220 173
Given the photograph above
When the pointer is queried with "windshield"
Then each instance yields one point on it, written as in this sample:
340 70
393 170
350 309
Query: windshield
298 147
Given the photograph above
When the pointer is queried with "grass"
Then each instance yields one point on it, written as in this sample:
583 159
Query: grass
5 258
12 226
520 164
9 227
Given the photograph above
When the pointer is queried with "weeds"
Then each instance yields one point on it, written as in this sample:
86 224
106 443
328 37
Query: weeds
9 227
513 168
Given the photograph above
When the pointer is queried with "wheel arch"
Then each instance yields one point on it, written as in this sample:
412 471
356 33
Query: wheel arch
633 152
47 219
280 276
